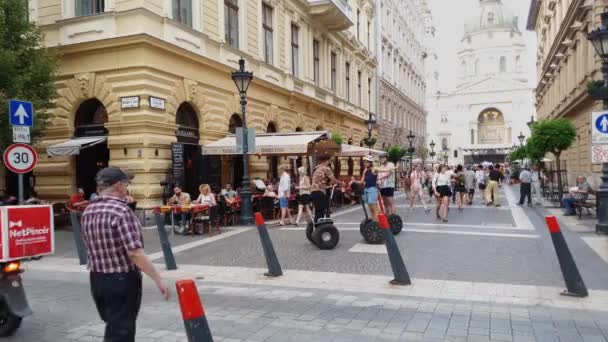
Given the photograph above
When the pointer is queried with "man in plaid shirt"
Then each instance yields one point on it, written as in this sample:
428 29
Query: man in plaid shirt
116 258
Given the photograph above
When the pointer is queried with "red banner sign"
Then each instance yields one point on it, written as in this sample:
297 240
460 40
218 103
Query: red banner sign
28 231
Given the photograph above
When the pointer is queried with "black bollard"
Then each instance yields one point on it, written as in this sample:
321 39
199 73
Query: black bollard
164 242
193 313
77 232
574 282
274 268
394 255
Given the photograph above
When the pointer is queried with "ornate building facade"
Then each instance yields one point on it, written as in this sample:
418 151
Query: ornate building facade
566 62
138 76
402 80
481 119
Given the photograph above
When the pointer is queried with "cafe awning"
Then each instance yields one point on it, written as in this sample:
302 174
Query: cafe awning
73 146
293 143
357 151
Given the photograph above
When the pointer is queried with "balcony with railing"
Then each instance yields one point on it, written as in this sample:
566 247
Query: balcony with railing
336 15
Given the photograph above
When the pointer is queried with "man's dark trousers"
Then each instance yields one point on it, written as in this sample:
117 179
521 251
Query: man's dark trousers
118 298
525 190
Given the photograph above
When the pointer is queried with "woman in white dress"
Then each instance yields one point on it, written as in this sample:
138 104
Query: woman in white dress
304 195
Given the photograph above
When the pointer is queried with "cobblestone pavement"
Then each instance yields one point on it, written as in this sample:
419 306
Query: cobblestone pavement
490 274
65 312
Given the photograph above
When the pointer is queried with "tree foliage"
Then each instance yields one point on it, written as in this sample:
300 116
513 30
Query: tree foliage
395 153
421 152
27 69
337 138
519 153
552 136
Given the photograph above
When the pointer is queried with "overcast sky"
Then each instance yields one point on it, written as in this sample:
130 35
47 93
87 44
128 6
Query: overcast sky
449 17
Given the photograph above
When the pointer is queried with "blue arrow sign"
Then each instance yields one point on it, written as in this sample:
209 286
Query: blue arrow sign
21 113
601 123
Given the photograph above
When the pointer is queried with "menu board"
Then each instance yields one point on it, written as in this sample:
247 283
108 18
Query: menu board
177 159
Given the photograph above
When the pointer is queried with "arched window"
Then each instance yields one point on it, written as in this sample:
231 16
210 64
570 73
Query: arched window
444 144
235 121
491 127
271 128
503 64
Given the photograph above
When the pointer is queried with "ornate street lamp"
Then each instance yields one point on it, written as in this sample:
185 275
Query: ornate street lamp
370 123
531 123
521 138
432 154
599 40
242 79
410 139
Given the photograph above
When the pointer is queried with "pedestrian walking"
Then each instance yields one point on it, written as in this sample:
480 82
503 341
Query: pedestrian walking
284 195
304 195
113 240
537 177
469 183
494 177
370 184
441 189
417 179
525 187
459 186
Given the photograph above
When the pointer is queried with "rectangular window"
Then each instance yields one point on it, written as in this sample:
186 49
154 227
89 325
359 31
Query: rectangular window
295 50
268 31
182 11
358 23
369 94
333 71
88 7
369 35
359 87
316 61
231 23
347 82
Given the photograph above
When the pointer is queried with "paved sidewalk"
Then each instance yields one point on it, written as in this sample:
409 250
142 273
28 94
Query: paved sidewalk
64 312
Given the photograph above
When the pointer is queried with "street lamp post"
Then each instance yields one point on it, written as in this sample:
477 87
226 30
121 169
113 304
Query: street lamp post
410 138
432 154
521 138
370 123
599 40
242 79
531 123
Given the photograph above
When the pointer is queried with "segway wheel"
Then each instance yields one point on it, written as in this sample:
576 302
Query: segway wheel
326 236
363 223
371 233
309 230
396 223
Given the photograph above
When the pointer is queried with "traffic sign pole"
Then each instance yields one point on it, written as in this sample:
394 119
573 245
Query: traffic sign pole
20 185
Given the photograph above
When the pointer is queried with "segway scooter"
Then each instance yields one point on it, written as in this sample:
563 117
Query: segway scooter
323 233
370 230
393 219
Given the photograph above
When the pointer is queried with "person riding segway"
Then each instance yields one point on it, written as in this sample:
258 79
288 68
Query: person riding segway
369 228
386 183
322 231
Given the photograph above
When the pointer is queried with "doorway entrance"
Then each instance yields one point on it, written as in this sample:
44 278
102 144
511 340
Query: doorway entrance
188 135
273 162
90 121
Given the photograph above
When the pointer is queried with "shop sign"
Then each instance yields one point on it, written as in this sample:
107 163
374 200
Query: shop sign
27 231
129 102
157 102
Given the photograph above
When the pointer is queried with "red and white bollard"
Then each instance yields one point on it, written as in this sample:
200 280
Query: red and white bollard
195 321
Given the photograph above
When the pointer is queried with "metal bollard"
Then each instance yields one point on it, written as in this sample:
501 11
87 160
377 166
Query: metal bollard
574 282
77 233
193 313
394 255
274 268
164 242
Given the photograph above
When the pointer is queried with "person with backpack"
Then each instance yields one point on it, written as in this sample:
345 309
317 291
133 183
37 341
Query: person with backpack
459 186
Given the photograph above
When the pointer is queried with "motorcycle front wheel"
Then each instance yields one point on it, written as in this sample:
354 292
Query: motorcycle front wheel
9 323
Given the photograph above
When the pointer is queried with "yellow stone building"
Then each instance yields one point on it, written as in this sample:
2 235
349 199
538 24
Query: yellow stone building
137 76
566 62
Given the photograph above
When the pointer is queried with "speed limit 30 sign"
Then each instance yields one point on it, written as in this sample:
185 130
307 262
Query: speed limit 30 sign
20 158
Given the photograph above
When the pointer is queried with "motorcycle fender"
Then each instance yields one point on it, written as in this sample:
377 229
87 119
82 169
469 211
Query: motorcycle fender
13 294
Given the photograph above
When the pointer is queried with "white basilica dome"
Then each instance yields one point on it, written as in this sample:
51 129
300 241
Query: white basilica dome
493 16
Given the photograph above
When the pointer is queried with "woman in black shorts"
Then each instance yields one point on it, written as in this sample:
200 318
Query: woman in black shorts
442 191
303 195
459 187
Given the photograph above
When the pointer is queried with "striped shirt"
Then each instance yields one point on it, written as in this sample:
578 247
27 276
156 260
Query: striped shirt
110 229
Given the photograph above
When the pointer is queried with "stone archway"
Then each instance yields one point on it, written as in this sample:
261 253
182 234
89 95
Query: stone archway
236 161
89 121
491 127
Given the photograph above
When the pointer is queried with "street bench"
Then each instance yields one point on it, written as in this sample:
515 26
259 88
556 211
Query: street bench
589 204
